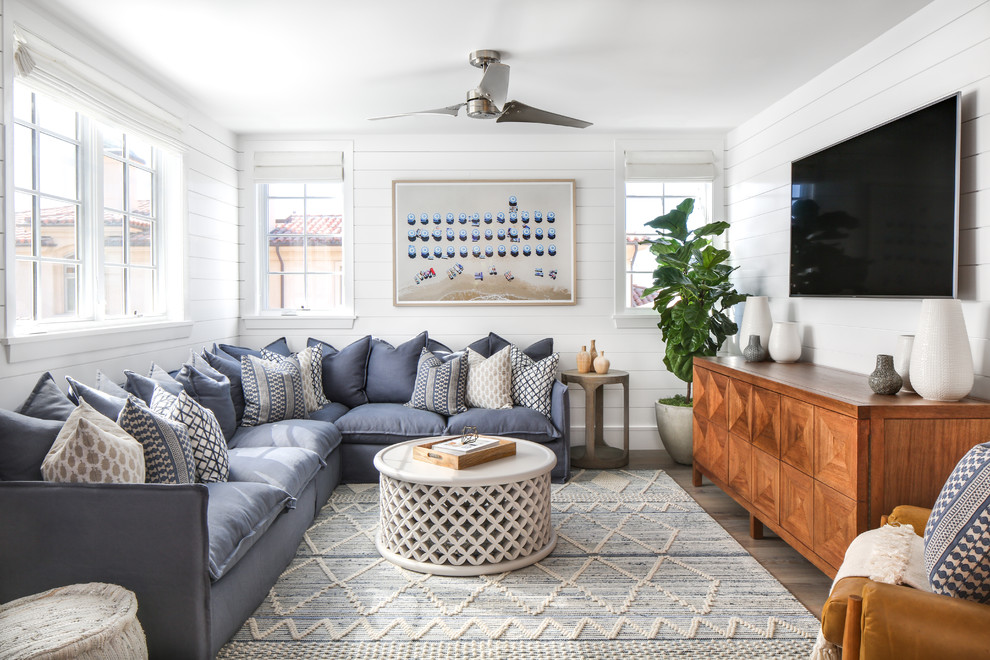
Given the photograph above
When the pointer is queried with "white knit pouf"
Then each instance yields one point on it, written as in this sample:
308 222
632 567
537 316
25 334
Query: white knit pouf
91 621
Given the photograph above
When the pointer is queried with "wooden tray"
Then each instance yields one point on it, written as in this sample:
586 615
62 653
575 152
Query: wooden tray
503 449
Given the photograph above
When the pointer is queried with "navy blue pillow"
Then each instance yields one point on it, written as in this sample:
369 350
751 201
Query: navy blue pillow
46 401
433 346
107 404
213 393
143 387
279 346
392 370
231 368
345 371
492 344
24 443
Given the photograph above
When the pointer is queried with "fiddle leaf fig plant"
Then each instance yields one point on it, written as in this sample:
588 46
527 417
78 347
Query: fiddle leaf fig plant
693 291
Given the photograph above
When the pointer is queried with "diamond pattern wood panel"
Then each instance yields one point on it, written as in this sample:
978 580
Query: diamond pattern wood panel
700 391
797 433
710 447
836 523
739 394
766 484
740 466
699 447
765 420
717 395
837 459
797 500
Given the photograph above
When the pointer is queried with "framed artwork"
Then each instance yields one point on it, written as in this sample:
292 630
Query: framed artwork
484 242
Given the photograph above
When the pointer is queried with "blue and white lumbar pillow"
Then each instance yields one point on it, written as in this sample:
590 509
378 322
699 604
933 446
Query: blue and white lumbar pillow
310 363
441 385
205 435
957 537
532 382
168 457
273 391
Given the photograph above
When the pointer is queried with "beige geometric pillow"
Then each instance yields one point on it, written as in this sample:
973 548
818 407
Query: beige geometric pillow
91 448
489 382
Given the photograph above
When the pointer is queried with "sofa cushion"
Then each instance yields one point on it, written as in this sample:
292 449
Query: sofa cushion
143 387
345 371
532 381
519 422
231 368
958 532
91 448
318 437
310 364
212 390
388 423
487 346
209 448
330 412
238 514
440 385
107 404
168 454
288 468
46 401
106 384
279 346
489 381
273 391
392 370
24 443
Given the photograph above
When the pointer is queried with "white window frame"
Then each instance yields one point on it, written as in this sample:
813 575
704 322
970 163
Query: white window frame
140 109
646 317
255 154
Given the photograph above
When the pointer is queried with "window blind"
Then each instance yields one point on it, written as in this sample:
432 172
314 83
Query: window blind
669 165
300 166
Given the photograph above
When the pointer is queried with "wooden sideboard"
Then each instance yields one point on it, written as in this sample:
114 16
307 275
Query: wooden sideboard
812 453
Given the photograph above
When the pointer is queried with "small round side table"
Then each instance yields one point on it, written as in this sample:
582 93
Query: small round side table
595 453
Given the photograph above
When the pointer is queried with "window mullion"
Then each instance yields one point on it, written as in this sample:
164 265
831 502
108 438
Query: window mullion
91 210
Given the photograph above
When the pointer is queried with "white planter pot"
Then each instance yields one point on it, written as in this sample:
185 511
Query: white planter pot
941 358
785 344
675 425
756 321
902 360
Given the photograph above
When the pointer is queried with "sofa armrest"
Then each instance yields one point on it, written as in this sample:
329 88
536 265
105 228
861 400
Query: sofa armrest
150 538
906 514
560 415
900 622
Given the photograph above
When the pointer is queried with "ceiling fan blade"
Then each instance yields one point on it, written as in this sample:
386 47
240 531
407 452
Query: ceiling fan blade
520 112
451 110
495 82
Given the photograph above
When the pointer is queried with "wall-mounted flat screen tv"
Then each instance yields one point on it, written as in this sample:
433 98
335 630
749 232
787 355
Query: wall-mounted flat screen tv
877 214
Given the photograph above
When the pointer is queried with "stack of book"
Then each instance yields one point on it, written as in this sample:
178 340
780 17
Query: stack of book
458 447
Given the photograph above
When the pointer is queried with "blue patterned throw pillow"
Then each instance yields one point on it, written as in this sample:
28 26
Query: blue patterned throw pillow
441 386
532 382
208 445
273 391
957 537
168 457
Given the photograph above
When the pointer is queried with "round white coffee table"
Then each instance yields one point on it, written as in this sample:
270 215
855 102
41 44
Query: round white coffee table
488 518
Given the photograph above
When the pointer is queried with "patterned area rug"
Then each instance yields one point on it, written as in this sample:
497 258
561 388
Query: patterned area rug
640 570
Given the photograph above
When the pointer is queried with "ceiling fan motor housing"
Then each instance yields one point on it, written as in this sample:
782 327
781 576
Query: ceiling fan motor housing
480 106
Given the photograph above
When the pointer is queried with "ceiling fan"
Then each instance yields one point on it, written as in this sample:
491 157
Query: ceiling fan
488 99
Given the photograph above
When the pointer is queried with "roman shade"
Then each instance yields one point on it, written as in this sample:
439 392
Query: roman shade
298 166
670 165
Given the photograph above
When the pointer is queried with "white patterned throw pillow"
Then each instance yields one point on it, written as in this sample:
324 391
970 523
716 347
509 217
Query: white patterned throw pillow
273 391
310 362
92 448
532 382
440 385
209 449
168 456
957 536
489 380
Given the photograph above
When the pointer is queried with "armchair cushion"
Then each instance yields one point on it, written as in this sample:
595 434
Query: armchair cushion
906 514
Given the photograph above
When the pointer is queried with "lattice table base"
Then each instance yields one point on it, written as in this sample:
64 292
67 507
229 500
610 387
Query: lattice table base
465 530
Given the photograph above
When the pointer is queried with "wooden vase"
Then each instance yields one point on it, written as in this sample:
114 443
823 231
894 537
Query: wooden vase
601 364
583 361
593 351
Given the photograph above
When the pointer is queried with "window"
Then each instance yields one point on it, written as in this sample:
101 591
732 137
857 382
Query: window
303 233
87 216
645 200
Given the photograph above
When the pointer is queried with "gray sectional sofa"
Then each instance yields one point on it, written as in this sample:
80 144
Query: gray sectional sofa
202 557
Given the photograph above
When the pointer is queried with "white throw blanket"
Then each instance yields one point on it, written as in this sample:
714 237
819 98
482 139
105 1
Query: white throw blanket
892 554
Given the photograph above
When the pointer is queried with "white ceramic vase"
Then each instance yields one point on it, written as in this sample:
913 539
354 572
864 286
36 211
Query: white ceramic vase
941 358
756 321
902 360
785 344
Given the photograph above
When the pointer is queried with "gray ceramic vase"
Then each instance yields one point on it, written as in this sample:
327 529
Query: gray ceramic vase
754 352
884 380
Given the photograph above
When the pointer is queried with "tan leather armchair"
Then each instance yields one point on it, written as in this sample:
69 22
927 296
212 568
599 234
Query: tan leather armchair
874 621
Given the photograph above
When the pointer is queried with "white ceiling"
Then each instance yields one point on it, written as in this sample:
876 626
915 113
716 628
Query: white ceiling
261 66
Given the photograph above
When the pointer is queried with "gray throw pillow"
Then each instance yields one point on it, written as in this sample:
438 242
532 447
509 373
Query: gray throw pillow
46 401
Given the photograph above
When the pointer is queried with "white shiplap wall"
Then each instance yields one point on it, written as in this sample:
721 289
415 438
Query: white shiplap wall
211 268
942 49
587 159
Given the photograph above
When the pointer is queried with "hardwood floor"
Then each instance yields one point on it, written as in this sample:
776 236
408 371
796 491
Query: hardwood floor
808 584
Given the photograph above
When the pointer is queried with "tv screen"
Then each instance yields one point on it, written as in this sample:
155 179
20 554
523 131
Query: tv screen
877 214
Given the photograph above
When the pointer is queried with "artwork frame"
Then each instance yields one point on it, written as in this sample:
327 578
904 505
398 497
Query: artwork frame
479 242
